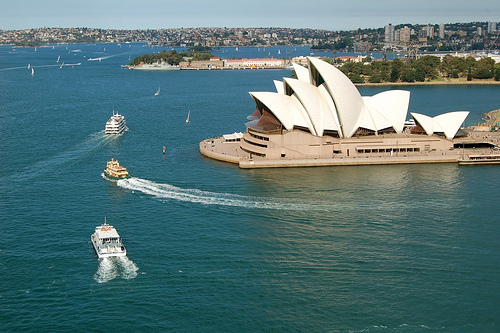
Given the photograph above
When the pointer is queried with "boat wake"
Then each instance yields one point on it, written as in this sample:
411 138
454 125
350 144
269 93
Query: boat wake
106 57
48 165
40 66
170 192
115 267
167 192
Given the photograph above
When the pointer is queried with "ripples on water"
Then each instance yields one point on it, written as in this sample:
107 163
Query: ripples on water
366 248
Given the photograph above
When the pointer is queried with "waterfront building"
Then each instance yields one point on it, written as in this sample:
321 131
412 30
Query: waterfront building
320 118
234 63
254 63
264 63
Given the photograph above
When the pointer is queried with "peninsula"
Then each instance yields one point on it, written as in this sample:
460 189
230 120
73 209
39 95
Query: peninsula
320 119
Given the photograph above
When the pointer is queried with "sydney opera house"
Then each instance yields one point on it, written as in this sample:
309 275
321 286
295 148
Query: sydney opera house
320 118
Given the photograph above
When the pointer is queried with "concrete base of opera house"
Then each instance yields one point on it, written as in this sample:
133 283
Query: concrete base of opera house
219 149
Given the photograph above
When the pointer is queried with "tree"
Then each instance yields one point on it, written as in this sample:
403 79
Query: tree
484 69
355 78
396 67
420 74
428 65
497 72
375 78
408 76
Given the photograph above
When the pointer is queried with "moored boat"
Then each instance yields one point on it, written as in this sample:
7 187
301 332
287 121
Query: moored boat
107 242
116 124
485 159
115 171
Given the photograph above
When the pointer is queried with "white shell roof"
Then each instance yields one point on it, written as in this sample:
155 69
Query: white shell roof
373 119
287 109
392 105
279 86
345 95
302 73
282 106
337 105
314 104
447 123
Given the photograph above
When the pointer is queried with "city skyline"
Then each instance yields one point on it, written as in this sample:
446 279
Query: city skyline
328 15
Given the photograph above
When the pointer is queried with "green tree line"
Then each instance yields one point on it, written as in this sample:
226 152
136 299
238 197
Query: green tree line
427 68
172 57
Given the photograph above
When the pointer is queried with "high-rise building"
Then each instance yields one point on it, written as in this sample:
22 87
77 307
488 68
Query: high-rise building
441 31
404 34
479 31
389 33
422 35
397 35
429 31
492 27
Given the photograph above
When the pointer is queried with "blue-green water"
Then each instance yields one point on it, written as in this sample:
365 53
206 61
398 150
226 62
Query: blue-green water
212 247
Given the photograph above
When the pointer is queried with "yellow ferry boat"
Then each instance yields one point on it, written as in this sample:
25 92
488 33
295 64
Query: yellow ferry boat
115 171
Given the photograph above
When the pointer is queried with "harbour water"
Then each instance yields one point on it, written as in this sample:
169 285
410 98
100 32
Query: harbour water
212 247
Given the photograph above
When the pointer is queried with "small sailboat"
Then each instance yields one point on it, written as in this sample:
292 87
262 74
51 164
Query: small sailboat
29 66
157 93
62 65
58 58
187 119
32 71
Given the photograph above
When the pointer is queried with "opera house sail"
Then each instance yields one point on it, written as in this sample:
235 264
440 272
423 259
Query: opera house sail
320 119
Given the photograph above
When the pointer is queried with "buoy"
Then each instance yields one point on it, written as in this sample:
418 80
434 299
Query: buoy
164 150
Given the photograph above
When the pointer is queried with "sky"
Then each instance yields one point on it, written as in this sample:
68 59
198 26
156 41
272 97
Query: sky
316 14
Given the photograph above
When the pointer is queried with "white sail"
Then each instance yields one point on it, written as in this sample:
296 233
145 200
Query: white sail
187 120
158 92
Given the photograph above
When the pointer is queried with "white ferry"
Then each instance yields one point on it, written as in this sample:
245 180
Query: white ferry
107 242
485 159
116 124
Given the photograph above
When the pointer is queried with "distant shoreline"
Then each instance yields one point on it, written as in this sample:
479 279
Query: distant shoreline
444 83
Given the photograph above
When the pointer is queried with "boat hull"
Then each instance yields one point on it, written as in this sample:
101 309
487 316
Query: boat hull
100 254
480 162
110 177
